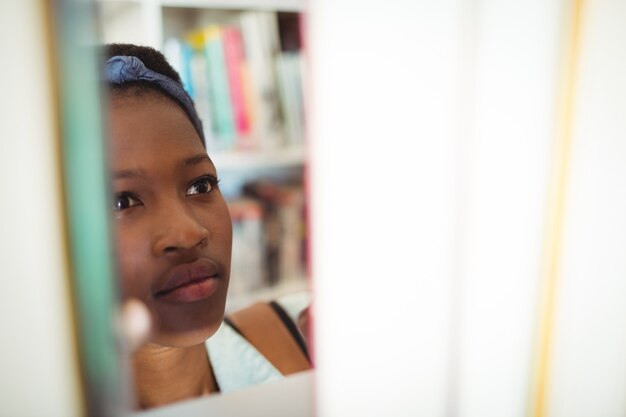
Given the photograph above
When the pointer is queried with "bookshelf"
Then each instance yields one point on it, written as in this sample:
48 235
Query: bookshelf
262 171
282 158
147 22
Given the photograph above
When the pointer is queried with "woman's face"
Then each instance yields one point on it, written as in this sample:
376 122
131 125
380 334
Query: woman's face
173 228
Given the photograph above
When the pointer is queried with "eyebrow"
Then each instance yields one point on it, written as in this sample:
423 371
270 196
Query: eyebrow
129 173
197 159
134 173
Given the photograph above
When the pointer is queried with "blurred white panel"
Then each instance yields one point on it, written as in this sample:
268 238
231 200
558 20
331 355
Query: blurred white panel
383 142
510 140
131 21
37 357
589 356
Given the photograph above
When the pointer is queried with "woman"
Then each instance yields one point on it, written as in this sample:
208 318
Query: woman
174 236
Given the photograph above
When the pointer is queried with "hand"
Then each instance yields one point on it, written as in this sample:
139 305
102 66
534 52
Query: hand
134 324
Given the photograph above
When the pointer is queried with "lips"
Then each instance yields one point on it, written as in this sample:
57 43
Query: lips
189 282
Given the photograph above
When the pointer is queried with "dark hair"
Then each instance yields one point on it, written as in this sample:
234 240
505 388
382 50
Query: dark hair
153 60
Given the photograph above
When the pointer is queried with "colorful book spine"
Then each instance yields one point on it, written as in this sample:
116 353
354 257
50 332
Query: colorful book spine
248 142
219 86
199 88
260 37
173 51
234 58
288 71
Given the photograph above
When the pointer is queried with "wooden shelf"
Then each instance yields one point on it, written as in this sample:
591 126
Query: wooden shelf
278 158
141 21
293 286
277 5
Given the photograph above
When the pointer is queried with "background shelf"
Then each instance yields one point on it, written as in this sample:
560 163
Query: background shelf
277 158
276 5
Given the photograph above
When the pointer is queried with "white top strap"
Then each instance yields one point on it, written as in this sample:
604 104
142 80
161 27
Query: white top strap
236 363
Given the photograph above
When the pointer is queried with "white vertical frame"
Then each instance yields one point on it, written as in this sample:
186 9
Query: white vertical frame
588 364
38 358
511 137
383 145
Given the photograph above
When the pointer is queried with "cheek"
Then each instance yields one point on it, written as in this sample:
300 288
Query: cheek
130 265
217 221
224 231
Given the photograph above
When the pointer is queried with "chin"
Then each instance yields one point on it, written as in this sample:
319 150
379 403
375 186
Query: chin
189 324
185 338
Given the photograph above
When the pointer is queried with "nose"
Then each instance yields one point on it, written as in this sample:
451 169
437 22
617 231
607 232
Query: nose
178 229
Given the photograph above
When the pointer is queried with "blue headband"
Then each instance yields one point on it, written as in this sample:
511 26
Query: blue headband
123 69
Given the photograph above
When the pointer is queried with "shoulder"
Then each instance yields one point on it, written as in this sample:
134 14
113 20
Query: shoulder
259 343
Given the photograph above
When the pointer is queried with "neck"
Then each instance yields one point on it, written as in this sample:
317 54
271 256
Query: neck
165 374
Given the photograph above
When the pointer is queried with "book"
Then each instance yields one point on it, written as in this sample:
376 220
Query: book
223 122
259 31
284 222
177 54
192 70
288 70
247 260
238 86
209 74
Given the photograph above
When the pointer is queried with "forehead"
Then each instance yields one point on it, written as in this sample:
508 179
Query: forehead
149 129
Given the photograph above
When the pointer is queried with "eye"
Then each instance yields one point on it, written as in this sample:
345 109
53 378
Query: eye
202 185
125 200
